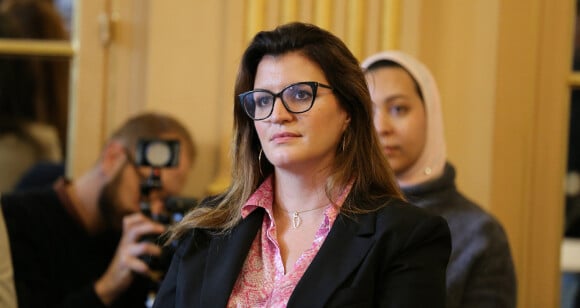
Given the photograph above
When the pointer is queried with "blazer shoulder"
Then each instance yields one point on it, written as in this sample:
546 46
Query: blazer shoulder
193 240
395 208
401 216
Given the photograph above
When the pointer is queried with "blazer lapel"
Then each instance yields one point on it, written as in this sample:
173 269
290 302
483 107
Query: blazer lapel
342 251
225 259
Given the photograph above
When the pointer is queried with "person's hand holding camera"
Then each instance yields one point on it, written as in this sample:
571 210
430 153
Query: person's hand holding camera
126 261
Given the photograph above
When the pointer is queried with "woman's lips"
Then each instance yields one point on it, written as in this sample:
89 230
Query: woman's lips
282 137
390 150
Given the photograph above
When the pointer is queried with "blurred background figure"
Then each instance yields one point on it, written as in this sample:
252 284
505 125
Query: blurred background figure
85 242
33 92
40 19
33 109
408 120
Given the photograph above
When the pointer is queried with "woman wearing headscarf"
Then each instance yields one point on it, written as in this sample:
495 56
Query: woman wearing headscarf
408 119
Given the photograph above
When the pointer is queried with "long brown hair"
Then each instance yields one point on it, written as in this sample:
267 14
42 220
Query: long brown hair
358 157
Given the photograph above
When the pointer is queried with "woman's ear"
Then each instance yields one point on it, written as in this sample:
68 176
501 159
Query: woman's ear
346 122
113 157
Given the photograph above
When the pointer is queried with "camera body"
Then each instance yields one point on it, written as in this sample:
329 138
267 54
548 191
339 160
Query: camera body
159 154
175 209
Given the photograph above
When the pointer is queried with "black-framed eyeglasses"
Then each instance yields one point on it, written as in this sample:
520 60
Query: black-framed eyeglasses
296 98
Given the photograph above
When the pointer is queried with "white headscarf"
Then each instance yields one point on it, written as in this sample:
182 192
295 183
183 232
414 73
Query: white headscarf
431 163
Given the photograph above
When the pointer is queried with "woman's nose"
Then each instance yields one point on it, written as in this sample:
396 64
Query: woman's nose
383 123
279 112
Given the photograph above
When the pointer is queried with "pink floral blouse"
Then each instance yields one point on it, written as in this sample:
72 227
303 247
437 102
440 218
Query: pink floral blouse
262 282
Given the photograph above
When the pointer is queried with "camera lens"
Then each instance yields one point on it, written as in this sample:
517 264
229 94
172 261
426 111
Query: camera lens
158 153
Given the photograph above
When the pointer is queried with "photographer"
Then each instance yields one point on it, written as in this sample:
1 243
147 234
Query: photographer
79 243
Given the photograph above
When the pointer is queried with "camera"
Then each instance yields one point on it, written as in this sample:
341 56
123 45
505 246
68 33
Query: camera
159 154
175 210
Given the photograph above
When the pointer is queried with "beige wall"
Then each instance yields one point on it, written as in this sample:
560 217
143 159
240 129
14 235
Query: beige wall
186 76
457 40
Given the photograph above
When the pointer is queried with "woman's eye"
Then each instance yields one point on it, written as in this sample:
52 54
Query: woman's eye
263 101
398 110
303 95
298 95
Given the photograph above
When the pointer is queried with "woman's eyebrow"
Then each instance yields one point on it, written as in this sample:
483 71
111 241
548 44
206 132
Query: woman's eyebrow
396 96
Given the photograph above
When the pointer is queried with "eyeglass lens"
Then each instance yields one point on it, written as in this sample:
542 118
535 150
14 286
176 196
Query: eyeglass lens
296 98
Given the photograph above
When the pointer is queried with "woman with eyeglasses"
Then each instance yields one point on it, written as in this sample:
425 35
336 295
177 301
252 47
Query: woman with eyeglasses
314 216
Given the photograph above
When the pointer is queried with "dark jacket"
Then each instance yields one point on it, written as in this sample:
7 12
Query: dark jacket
56 262
481 271
395 257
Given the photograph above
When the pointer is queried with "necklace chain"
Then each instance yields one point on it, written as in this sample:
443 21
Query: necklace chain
295 216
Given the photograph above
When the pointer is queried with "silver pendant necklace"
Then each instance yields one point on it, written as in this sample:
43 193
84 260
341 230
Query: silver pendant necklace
295 216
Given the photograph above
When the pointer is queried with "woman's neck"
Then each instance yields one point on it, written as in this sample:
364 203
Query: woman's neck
299 193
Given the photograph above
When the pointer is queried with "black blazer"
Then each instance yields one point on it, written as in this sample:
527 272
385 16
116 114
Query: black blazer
395 257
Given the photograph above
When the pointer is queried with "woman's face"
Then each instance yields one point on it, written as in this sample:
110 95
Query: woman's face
399 116
299 141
